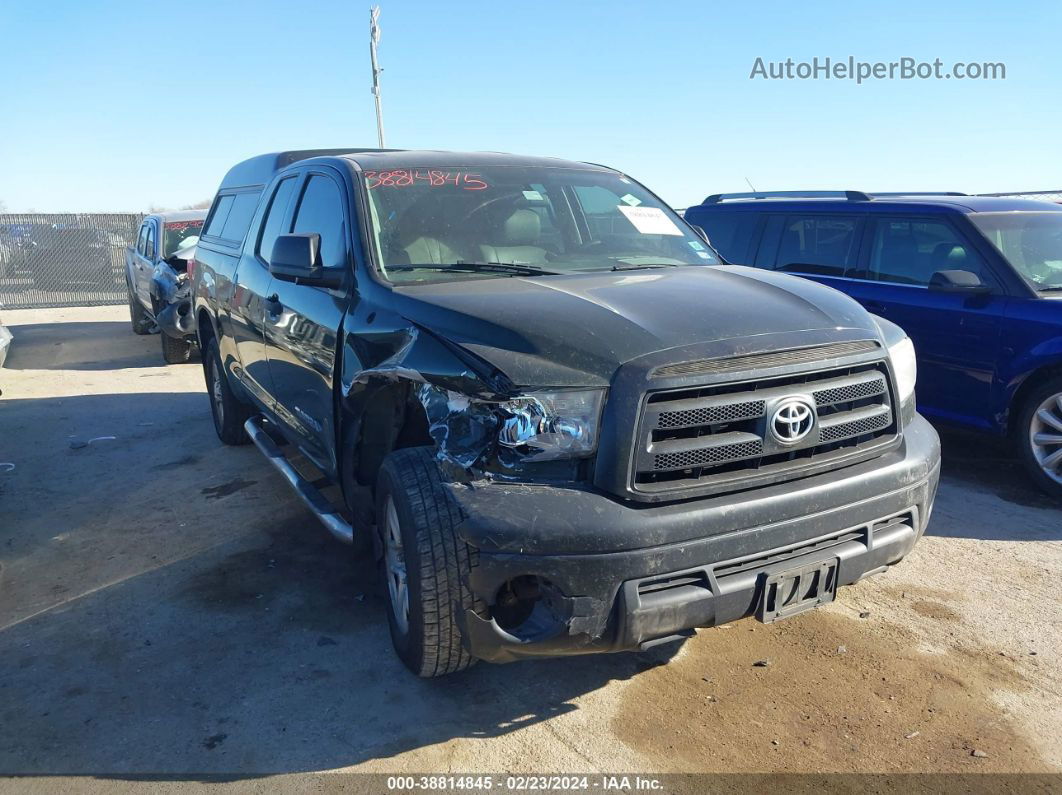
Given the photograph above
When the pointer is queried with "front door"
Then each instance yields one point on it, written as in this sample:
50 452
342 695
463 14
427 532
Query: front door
956 336
302 324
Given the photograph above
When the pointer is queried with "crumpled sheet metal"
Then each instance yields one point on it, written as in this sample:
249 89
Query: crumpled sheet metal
169 285
463 429
457 396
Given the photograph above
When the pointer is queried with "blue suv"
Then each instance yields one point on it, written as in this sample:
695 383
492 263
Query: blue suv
975 281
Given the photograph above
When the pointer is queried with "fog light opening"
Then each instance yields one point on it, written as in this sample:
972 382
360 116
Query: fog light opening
530 608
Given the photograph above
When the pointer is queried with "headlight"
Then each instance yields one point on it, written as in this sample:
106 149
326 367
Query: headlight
552 424
904 366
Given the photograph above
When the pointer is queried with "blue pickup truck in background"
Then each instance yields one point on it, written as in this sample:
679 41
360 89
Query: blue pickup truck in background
975 281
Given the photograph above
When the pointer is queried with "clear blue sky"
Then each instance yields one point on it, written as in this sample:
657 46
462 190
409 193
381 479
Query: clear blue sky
118 105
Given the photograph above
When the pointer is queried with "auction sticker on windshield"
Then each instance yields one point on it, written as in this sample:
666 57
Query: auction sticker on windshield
650 220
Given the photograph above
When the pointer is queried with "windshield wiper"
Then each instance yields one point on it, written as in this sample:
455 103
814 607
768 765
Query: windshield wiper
478 267
645 265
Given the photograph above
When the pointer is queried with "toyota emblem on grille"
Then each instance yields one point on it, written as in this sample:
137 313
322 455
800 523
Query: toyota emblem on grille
792 420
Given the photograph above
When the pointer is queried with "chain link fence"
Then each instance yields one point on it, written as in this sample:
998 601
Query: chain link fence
58 260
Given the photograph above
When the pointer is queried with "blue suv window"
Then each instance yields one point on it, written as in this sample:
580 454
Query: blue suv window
911 250
818 245
730 234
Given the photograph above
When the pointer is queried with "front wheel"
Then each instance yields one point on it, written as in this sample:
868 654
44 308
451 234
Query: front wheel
1039 436
137 316
175 351
425 563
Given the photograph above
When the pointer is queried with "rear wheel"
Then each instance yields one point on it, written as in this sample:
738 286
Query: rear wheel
1039 436
425 563
175 351
228 412
137 316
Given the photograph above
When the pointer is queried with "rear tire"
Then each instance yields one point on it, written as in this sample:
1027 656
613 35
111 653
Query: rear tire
423 553
1039 436
175 351
137 316
228 412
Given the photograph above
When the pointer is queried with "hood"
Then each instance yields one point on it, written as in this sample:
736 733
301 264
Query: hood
577 329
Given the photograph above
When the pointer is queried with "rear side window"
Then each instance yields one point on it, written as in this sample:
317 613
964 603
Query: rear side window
321 211
911 250
275 215
818 245
219 215
730 234
231 217
240 215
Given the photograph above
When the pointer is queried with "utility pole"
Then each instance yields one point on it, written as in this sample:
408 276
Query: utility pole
374 39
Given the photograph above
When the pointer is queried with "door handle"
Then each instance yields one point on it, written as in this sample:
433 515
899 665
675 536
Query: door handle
273 306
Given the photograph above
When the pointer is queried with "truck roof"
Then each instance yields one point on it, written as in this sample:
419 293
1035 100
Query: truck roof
259 170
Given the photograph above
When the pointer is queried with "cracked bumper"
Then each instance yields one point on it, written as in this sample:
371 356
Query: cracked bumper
631 575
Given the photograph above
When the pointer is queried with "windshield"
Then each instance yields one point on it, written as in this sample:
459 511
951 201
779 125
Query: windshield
462 223
176 234
1031 242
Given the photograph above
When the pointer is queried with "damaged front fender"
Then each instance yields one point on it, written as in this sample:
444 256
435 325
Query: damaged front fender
455 388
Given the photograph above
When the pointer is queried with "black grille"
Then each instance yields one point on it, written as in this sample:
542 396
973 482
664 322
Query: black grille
864 425
712 414
720 435
708 455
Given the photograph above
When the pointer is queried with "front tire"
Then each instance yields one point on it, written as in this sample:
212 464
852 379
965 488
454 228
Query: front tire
1039 436
175 351
137 316
228 412
426 564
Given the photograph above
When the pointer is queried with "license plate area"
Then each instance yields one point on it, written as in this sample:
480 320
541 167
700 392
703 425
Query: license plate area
787 593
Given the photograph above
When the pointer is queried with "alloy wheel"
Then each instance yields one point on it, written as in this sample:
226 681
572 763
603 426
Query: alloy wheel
395 562
1045 437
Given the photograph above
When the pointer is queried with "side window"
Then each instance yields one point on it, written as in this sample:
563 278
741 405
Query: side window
219 215
141 241
911 250
730 234
818 245
149 243
274 217
240 214
321 211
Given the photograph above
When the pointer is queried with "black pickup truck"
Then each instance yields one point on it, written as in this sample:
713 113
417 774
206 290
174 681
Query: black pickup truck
558 420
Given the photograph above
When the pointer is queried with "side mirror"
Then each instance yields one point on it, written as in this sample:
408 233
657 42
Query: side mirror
295 259
958 282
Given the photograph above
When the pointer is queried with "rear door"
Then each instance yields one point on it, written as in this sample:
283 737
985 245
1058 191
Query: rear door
242 316
302 323
136 263
146 262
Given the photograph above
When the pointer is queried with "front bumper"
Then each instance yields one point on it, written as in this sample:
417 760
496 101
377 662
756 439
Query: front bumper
175 320
624 575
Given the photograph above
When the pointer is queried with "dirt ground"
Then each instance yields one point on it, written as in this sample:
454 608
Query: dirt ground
168 608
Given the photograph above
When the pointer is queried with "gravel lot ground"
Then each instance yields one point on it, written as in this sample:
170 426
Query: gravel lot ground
168 607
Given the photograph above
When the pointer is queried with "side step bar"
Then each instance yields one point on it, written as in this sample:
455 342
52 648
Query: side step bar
315 501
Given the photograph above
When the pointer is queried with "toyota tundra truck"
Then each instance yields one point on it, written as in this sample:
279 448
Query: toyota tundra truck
537 396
